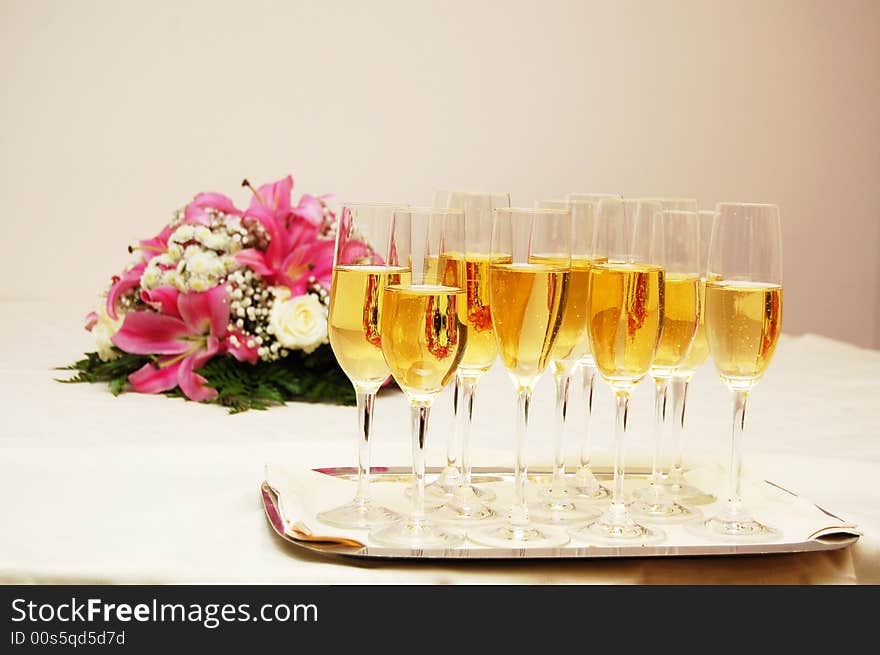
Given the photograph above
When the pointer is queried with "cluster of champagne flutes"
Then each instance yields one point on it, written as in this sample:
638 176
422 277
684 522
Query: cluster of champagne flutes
615 287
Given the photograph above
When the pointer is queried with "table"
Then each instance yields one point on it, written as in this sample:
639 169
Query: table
147 489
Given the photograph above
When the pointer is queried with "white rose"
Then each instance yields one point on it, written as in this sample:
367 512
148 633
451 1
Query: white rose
299 322
103 331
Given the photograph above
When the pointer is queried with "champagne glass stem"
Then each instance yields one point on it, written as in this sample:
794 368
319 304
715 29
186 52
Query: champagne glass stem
679 403
519 513
589 385
563 382
419 411
661 386
466 386
365 400
451 472
734 494
618 506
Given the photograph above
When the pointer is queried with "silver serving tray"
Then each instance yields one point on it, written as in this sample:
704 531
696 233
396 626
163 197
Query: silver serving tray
833 539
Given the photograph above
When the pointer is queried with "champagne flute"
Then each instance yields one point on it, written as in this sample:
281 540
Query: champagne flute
743 322
423 341
675 203
583 481
467 247
557 504
527 300
681 317
625 321
674 485
359 277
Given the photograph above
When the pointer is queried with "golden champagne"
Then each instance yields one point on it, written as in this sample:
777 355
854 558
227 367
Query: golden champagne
423 337
527 302
573 341
471 273
743 321
700 348
681 316
353 323
625 319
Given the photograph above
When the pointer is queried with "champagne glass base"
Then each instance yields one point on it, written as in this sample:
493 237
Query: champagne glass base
525 536
358 515
617 531
438 493
445 484
594 493
737 529
561 510
685 494
662 509
458 514
584 485
689 494
416 534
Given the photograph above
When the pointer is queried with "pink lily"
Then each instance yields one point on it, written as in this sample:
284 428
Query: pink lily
295 252
158 245
121 284
189 334
274 196
195 211
131 278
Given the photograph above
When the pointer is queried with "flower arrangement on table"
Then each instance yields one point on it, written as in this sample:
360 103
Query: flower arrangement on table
225 306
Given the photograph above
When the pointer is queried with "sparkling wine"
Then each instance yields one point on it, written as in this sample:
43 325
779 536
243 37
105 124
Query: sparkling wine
573 342
743 321
423 337
527 302
353 325
471 273
625 319
700 348
681 316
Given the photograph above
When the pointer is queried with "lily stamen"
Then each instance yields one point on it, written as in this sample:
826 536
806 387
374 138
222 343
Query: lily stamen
246 183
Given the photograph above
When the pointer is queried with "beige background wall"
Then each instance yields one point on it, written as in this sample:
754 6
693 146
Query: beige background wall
115 112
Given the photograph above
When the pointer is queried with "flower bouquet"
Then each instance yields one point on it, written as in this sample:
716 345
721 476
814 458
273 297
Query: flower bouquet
225 306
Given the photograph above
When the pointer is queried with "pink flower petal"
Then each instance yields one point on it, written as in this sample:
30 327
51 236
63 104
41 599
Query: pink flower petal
206 311
310 209
217 201
162 299
275 196
196 215
241 352
255 260
91 319
195 211
192 384
279 241
148 333
152 379
321 257
301 233
129 280
353 252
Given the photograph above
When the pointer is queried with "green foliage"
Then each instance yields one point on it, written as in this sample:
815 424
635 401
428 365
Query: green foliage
314 378
115 372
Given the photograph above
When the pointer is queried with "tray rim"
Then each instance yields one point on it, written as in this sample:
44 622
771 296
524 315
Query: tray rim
269 497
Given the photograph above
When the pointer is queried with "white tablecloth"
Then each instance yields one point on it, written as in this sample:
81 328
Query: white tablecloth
142 489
